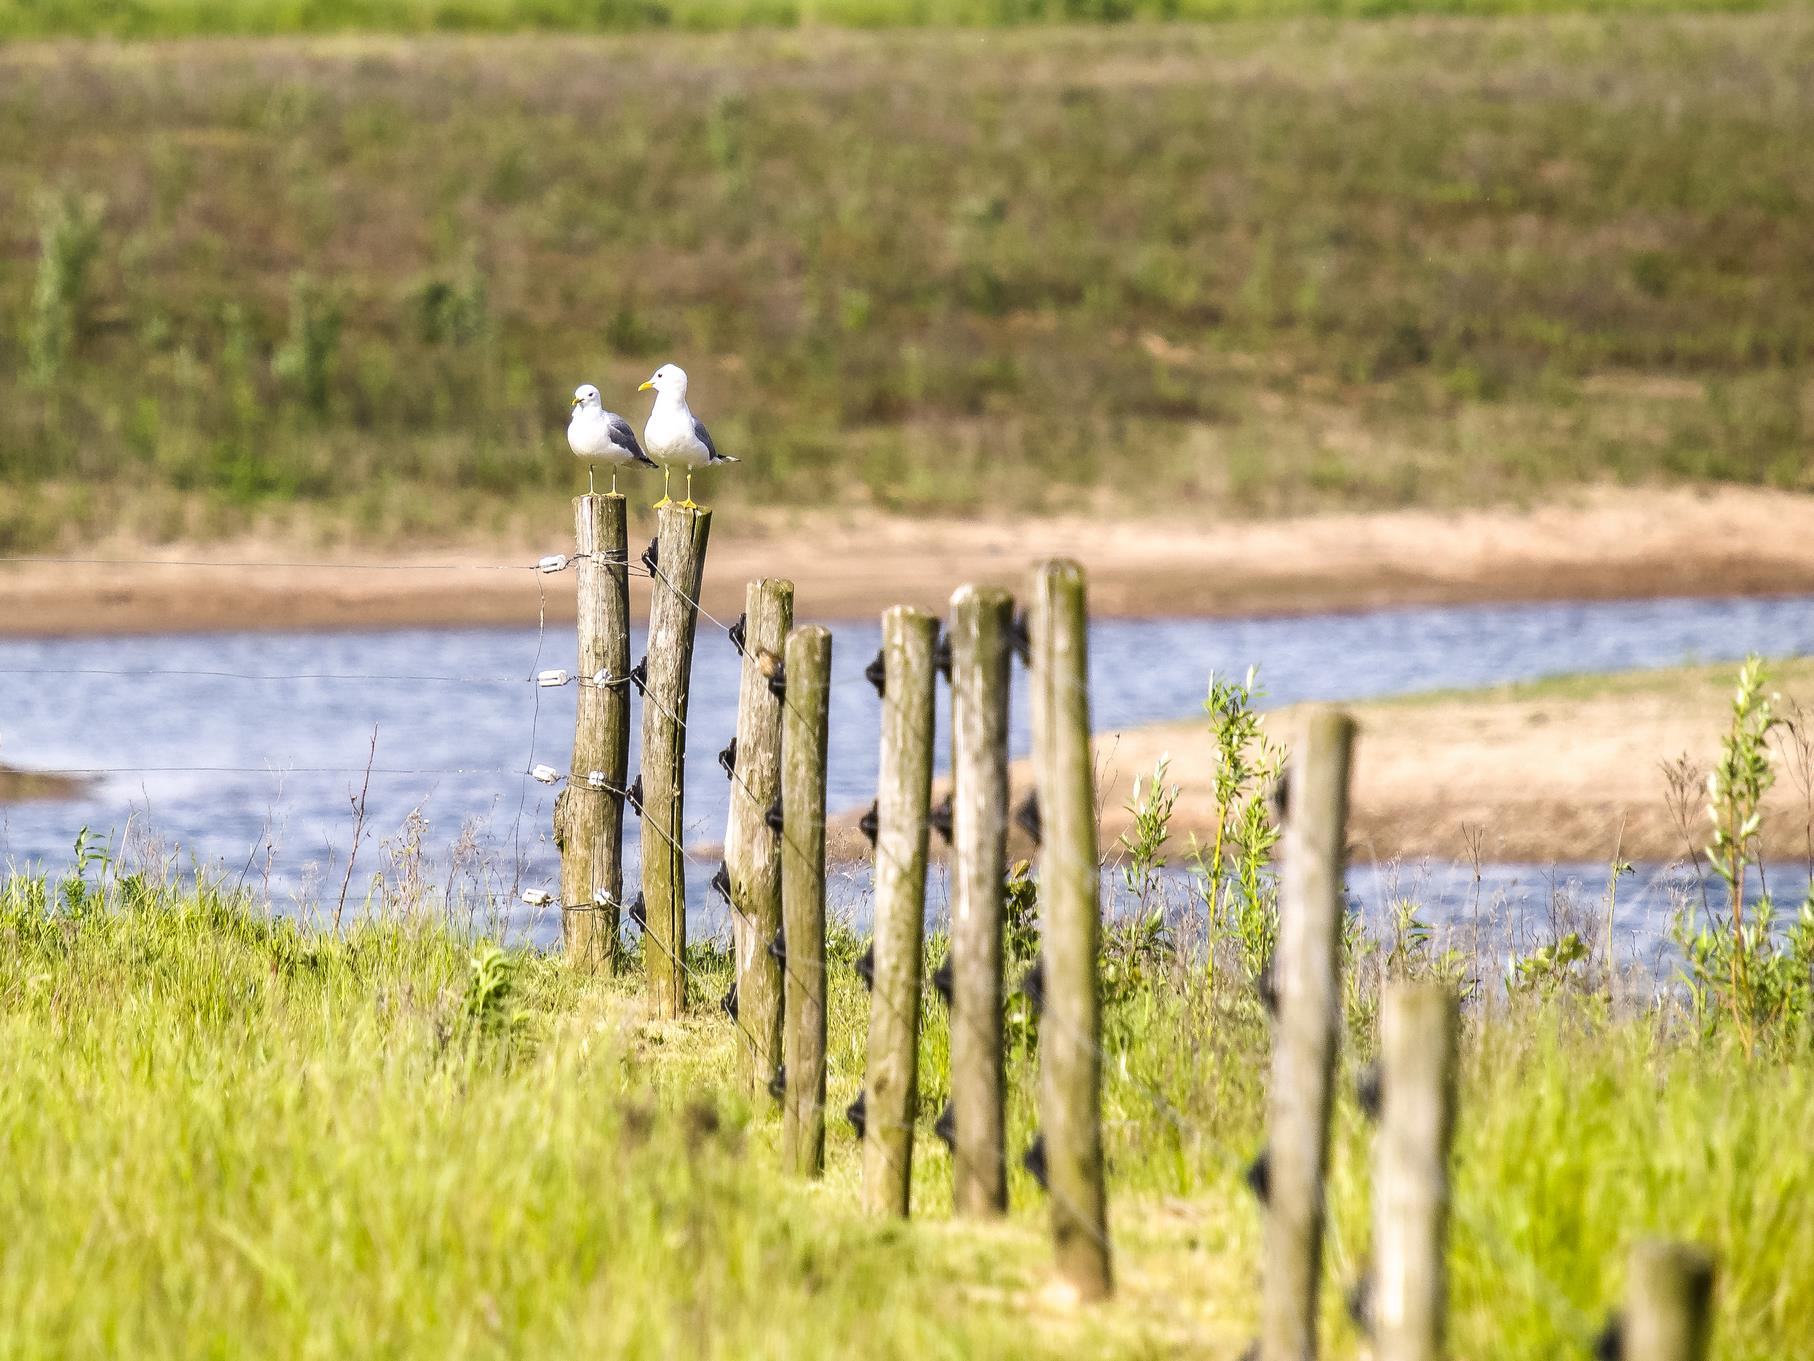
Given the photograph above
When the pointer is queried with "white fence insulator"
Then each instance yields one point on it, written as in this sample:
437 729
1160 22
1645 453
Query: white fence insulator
537 897
600 898
554 562
546 774
601 678
596 780
552 678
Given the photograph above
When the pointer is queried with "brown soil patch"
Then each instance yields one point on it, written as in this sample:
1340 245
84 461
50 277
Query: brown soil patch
1600 544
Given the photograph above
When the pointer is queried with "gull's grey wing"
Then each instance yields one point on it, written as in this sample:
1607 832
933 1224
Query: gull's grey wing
704 436
625 438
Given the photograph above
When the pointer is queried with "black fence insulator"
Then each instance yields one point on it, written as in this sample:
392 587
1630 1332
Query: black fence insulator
1367 1088
740 631
773 816
634 794
1259 1176
651 556
946 1126
1034 1160
1359 1302
876 673
1610 1344
940 818
777 1085
777 946
858 1115
722 880
871 822
1278 798
866 968
639 913
941 654
1026 817
1020 639
777 680
639 676
728 759
728 1003
1268 988
941 980
1033 985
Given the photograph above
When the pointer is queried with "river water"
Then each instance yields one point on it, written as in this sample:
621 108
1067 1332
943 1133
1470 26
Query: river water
240 754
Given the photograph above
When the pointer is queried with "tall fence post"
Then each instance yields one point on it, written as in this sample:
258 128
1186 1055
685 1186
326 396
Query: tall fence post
903 798
1070 1066
1418 1033
1303 1048
589 814
673 612
807 678
980 621
752 851
1668 1303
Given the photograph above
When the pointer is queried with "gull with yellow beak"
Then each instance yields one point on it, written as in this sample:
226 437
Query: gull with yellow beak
674 436
599 436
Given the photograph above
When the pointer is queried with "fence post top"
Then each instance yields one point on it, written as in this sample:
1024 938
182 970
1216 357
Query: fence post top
808 633
982 595
1685 1259
1057 570
909 614
778 585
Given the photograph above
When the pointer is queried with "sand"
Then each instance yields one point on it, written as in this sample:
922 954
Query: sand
1601 544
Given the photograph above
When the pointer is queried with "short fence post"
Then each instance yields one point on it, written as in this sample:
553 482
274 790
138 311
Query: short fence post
1070 1066
1668 1303
589 814
673 612
1418 1029
980 620
904 795
807 677
752 851
1303 1051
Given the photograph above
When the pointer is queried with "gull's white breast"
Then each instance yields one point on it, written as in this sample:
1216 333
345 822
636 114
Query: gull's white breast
669 439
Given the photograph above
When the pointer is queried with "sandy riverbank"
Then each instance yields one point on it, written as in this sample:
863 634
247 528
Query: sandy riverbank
1562 770
1601 544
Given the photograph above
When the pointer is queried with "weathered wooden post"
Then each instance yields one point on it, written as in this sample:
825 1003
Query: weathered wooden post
980 620
807 677
589 814
1305 969
752 851
673 612
1668 1303
1070 1068
1418 1034
891 1075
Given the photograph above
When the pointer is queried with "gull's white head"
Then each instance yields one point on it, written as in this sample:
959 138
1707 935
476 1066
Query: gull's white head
668 378
585 395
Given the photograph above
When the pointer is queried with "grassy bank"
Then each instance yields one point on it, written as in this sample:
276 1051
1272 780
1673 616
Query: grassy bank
226 1135
188 18
1243 268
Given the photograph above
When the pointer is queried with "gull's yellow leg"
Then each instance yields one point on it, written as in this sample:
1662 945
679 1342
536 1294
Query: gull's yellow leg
689 503
590 489
614 482
667 499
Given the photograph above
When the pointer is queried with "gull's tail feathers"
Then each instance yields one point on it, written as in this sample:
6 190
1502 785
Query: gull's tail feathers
725 458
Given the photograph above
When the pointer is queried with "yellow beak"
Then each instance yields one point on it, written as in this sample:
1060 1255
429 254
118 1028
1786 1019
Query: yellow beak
646 386
574 402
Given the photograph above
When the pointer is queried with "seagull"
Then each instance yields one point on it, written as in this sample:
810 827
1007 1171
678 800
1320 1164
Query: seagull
600 436
675 437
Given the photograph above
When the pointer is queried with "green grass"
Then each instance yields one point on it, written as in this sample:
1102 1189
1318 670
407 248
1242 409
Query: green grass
226 1135
346 285
184 18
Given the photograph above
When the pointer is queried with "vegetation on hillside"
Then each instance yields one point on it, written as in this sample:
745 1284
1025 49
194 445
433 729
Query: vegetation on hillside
1240 268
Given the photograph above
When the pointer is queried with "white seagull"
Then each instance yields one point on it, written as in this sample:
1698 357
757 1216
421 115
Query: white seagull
600 436
674 435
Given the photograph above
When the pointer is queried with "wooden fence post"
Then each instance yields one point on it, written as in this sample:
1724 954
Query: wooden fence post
1418 1029
1306 971
980 620
589 814
752 851
1070 1067
1668 1303
673 612
807 675
904 796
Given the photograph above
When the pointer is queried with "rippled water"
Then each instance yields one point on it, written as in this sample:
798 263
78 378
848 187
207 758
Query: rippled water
250 768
